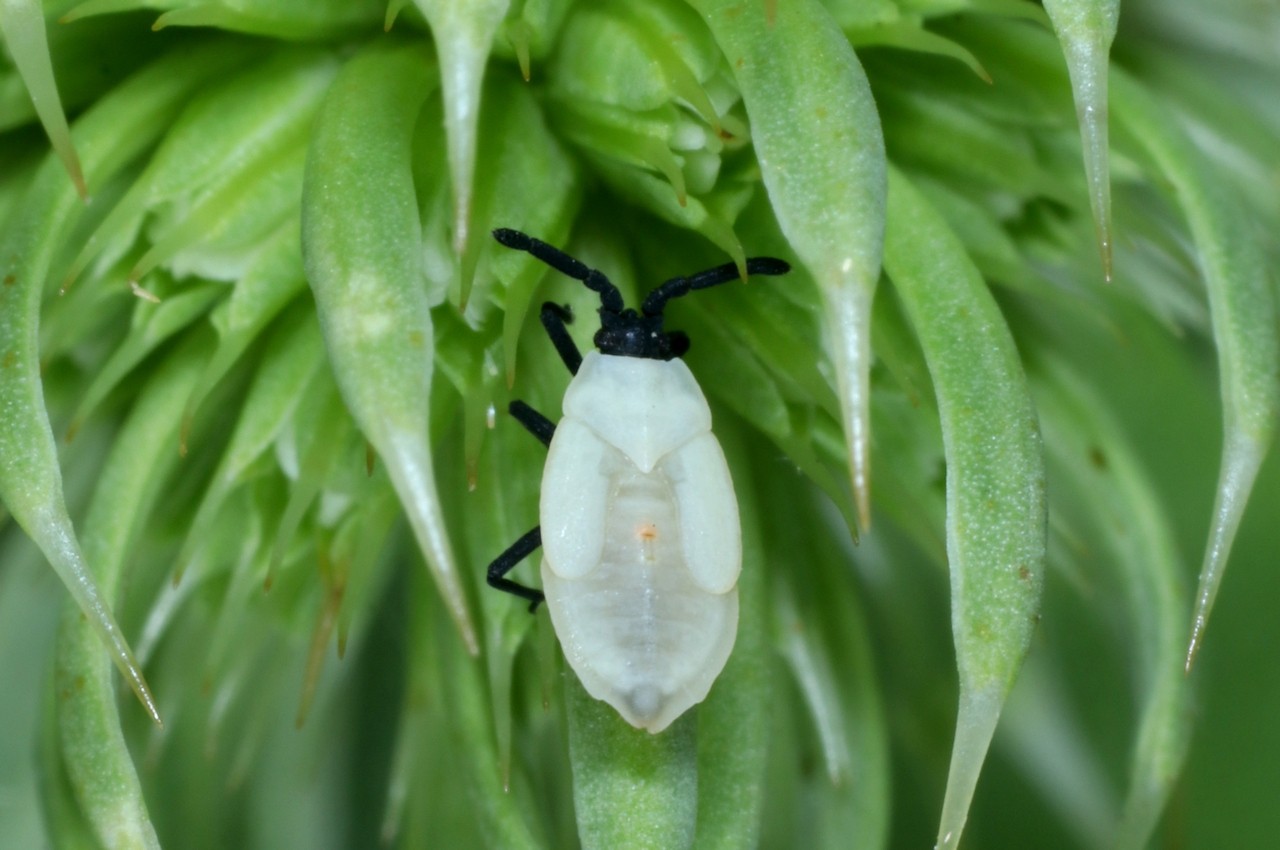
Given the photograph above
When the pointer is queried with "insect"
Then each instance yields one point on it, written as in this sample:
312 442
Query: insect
639 524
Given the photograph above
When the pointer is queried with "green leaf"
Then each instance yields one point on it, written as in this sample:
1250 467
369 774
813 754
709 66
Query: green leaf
464 31
1096 472
116 130
361 242
530 183
501 505
817 137
733 721
632 790
840 771
907 34
470 721
290 359
1244 322
996 509
152 324
287 19
225 133
273 277
22 25
94 751
1085 29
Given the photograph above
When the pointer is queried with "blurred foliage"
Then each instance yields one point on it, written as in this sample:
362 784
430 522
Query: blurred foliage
251 395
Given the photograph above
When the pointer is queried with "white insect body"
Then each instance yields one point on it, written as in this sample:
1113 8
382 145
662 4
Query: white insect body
641 539
639 525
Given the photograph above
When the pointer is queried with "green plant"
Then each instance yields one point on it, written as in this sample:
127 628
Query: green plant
948 360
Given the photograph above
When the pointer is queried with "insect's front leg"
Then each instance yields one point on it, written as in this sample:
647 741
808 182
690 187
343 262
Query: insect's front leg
533 421
554 319
507 561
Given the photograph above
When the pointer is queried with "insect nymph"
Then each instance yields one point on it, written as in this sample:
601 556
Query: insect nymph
639 524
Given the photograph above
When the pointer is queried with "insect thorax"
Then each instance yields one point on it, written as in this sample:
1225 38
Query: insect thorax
645 408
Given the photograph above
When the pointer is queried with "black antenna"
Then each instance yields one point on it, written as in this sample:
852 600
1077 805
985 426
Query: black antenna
657 300
610 298
624 332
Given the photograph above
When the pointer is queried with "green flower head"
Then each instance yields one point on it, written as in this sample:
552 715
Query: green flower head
258 346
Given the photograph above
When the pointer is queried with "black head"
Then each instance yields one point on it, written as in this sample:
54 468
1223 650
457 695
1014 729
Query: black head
625 332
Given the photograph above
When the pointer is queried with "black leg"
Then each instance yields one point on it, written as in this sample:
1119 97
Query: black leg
554 318
507 561
536 424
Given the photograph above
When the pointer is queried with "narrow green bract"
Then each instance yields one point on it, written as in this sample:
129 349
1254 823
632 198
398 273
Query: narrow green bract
1086 29
631 789
733 722
1091 460
362 248
22 25
287 19
996 511
817 137
96 757
1244 326
464 31
30 480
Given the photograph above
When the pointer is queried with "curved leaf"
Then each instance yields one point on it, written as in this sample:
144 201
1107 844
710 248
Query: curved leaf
97 759
113 132
22 25
1095 466
817 136
1244 323
361 241
464 31
996 510
1085 29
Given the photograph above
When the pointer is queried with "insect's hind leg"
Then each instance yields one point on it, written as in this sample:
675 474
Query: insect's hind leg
508 560
533 421
555 319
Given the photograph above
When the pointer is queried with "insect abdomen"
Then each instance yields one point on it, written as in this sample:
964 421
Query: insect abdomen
638 631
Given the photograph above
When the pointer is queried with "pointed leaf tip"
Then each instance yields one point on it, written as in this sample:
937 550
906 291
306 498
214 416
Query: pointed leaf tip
22 27
975 726
464 31
1086 29
1241 459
